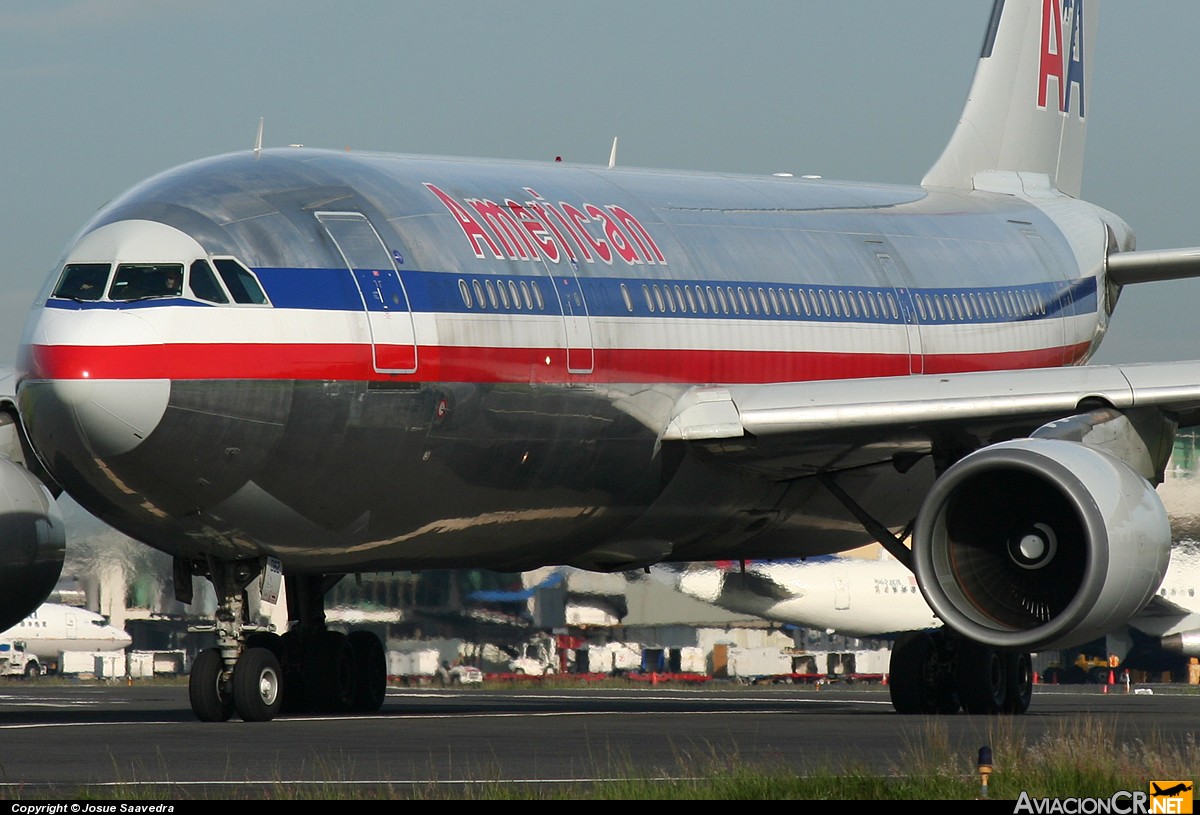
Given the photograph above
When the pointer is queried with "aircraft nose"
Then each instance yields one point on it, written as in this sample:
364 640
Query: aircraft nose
111 417
75 386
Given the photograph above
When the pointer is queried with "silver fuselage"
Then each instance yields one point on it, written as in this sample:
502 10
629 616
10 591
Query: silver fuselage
469 363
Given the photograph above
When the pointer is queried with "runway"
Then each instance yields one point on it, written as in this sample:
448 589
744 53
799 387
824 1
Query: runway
64 741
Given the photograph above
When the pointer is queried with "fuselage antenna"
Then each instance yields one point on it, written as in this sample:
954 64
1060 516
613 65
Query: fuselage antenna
612 157
258 139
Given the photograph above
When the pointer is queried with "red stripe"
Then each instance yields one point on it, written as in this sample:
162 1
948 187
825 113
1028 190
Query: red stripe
352 362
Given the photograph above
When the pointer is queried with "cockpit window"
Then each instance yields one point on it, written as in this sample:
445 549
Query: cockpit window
138 281
242 285
83 281
204 283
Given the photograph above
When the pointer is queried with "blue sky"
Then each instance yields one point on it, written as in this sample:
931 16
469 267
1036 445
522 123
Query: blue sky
98 94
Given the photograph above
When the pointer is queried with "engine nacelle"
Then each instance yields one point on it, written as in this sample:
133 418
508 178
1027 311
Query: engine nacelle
33 543
1186 643
1040 543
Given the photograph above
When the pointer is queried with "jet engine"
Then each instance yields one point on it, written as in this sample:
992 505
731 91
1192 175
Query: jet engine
1038 544
32 543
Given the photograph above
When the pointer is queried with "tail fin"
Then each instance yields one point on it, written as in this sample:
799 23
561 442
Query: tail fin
1025 111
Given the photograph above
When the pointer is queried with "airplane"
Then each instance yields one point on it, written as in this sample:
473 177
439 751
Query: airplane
838 594
53 628
1172 790
389 362
878 597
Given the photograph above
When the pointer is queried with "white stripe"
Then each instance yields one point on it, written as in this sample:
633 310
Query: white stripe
300 326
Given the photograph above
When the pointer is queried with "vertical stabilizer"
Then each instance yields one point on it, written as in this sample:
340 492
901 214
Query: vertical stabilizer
1026 109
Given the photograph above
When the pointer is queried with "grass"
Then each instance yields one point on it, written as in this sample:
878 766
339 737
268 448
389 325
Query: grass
1080 758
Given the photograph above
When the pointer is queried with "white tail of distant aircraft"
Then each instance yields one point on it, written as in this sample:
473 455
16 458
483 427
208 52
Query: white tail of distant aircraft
53 628
341 362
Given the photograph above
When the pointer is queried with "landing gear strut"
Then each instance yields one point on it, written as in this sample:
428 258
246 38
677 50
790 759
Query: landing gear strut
257 673
941 672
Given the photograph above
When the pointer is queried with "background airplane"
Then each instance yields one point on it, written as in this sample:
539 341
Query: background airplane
877 597
385 362
54 628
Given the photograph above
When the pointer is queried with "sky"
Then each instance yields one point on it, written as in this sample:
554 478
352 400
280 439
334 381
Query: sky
99 94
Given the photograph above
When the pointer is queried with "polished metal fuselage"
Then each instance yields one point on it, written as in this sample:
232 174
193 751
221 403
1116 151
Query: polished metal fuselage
413 406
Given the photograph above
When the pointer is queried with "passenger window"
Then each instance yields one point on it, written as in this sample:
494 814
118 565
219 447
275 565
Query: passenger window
243 286
649 299
479 296
141 281
82 281
626 299
204 283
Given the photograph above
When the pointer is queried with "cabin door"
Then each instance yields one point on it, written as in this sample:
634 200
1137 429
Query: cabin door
384 299
909 316
581 357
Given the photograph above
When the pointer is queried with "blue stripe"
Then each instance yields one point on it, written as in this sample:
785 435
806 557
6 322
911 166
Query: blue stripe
441 292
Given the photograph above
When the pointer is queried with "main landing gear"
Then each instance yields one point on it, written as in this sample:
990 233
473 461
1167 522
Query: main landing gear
259 674
942 672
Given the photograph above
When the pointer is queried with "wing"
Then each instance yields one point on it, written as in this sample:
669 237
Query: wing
1038 523
1162 618
796 428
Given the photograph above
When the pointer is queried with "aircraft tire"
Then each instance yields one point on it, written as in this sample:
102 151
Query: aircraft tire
291 661
329 672
1019 679
210 701
257 685
982 678
911 682
370 667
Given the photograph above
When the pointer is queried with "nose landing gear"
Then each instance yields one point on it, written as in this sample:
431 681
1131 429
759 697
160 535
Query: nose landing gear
258 674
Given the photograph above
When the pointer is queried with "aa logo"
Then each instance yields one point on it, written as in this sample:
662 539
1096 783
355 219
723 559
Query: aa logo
1171 797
